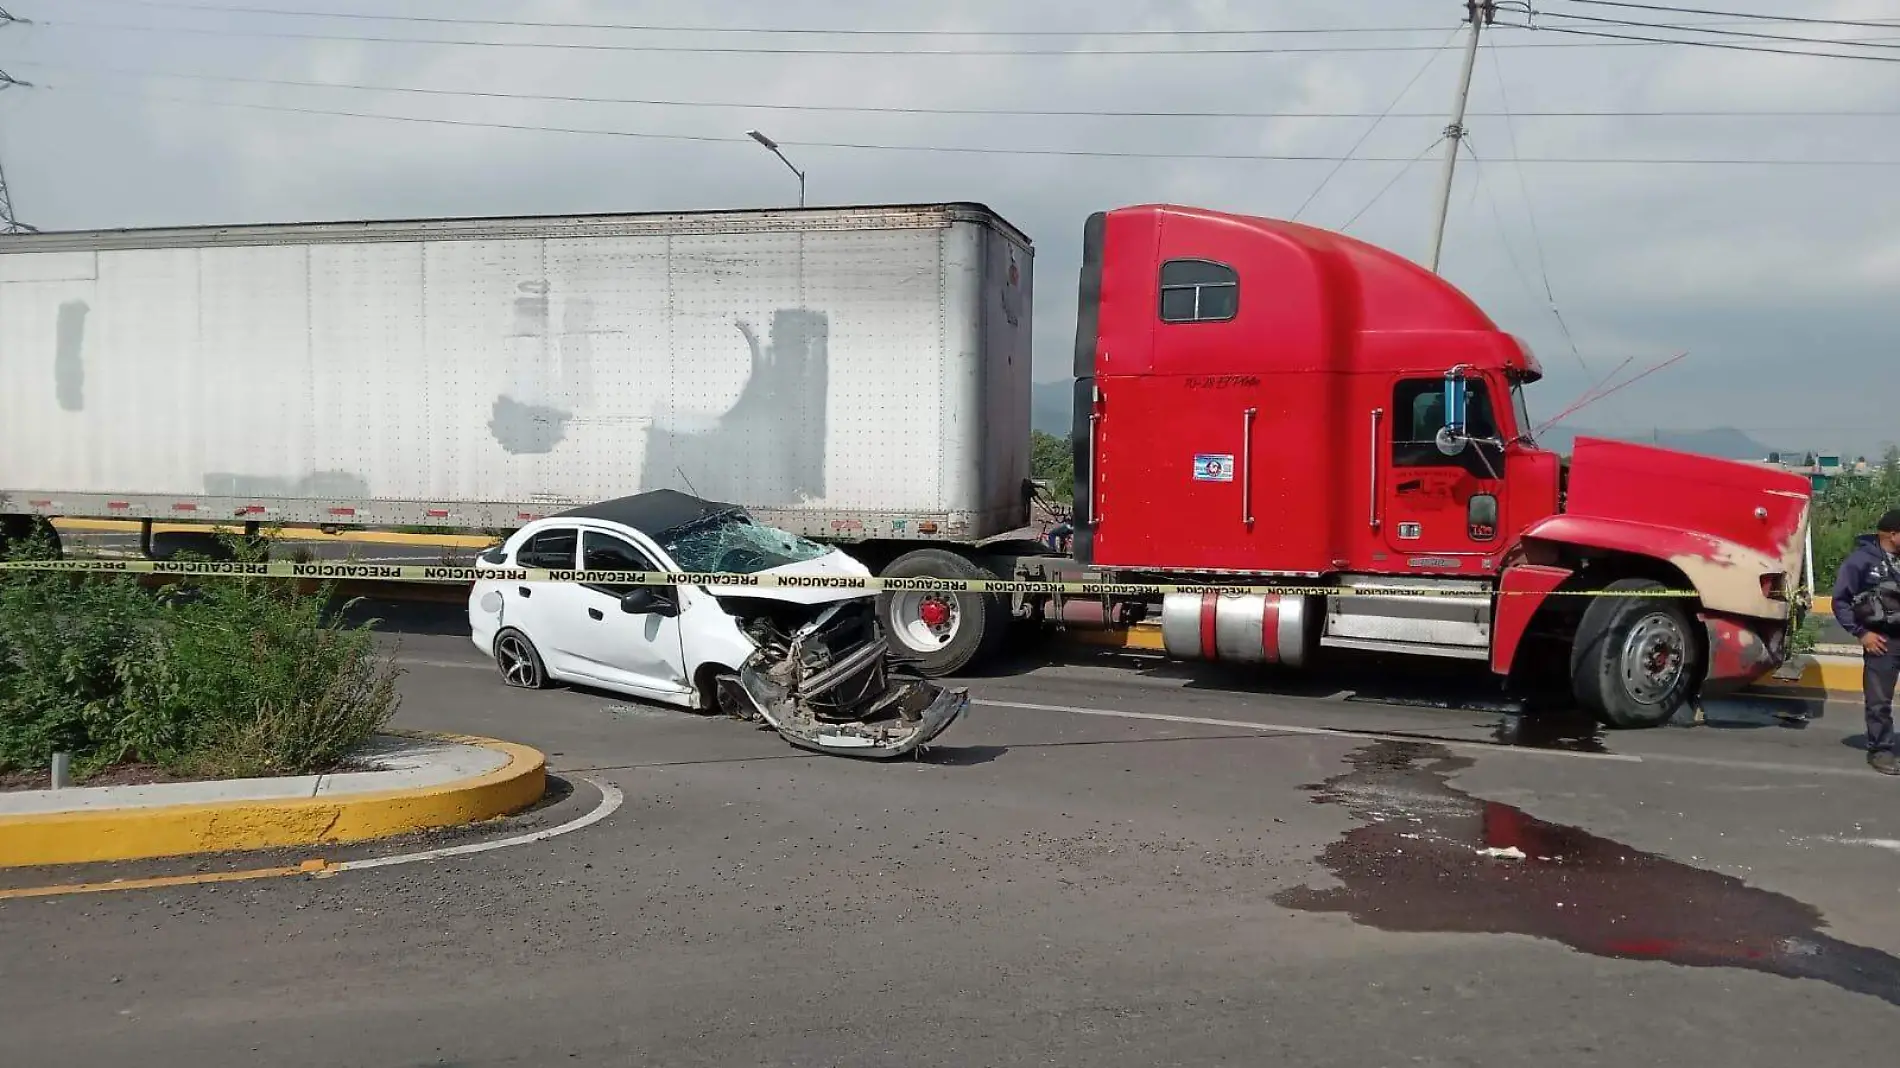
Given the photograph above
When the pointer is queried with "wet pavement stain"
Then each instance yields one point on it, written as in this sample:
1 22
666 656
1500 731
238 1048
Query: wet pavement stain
1417 864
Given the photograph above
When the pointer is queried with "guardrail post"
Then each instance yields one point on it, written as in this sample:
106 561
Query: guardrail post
62 770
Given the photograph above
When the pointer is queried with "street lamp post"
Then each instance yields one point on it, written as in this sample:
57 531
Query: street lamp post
776 151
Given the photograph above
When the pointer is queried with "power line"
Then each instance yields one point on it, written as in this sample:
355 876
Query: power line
1370 130
1530 209
600 46
1766 49
987 112
852 31
1757 16
463 20
1387 187
985 150
1751 35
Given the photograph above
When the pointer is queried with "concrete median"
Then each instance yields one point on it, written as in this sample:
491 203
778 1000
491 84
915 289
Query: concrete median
418 782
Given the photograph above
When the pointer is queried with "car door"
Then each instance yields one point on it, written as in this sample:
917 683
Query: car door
639 653
526 605
1441 510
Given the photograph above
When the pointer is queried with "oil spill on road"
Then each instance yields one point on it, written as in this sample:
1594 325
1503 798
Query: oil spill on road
1415 864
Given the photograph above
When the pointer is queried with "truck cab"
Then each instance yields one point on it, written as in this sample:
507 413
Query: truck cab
1273 406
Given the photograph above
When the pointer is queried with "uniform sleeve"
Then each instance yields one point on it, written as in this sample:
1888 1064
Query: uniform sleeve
1846 588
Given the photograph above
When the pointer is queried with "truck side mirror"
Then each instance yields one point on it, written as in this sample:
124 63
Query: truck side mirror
1451 438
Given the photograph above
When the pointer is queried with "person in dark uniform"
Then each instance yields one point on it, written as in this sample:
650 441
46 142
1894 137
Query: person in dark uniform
1867 604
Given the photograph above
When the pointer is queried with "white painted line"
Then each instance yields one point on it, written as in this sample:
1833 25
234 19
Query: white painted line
1320 732
423 661
1892 844
610 800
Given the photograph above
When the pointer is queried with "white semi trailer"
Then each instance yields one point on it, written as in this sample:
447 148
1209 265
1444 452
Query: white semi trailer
855 375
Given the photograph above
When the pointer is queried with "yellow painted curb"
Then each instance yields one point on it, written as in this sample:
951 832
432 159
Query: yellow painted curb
225 826
1139 639
368 537
1834 678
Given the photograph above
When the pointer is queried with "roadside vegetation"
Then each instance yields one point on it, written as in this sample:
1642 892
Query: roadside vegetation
217 678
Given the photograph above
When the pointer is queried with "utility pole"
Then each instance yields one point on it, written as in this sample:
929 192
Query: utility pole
1480 13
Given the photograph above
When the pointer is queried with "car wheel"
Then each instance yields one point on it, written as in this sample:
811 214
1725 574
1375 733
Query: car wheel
520 661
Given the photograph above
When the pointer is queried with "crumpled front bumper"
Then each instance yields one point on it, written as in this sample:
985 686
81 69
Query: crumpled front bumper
912 713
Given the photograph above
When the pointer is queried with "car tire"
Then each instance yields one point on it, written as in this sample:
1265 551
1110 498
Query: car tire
520 662
1635 661
972 624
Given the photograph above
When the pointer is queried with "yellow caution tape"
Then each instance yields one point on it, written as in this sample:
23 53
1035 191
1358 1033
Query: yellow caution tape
322 571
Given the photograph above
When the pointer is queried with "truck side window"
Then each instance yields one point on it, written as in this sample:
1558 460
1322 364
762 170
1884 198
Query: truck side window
1199 291
604 552
550 549
1418 414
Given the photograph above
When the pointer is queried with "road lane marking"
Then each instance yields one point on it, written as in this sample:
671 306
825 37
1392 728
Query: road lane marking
308 867
610 801
1318 732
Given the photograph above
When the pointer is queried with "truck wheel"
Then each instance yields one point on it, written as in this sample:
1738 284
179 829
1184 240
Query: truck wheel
1635 659
943 632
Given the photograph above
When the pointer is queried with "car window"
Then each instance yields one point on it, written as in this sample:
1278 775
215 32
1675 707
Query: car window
733 544
604 552
552 549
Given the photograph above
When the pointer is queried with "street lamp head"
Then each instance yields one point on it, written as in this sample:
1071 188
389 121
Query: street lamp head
762 139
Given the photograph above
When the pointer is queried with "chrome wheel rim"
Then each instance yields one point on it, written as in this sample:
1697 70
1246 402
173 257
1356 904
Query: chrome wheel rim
517 661
1654 657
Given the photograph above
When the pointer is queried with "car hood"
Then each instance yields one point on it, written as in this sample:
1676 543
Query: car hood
828 578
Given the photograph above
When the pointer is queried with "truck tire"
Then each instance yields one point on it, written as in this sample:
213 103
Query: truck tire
1635 660
943 633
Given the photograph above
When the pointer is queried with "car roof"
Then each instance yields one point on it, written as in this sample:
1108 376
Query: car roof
654 513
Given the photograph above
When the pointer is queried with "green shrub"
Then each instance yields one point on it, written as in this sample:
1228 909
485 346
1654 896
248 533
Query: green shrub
219 677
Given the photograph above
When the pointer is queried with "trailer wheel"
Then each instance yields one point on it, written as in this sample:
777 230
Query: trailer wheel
943 632
1635 658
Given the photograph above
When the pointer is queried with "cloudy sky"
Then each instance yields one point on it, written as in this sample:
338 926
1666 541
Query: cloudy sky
1780 281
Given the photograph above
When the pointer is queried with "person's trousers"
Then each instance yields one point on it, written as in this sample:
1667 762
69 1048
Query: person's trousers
1877 675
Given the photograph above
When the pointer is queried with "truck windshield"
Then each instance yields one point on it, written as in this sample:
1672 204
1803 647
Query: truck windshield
733 544
1521 412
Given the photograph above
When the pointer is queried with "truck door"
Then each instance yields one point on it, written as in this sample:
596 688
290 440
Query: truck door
1441 495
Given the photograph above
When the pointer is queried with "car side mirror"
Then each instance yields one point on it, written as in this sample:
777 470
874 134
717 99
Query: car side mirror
1452 438
649 601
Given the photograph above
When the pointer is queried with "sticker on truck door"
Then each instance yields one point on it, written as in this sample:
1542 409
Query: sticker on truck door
1214 467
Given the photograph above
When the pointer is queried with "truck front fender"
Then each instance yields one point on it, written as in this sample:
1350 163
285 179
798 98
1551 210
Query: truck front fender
1522 590
1726 576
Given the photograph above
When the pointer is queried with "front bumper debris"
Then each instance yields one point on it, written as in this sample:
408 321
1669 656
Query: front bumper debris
913 713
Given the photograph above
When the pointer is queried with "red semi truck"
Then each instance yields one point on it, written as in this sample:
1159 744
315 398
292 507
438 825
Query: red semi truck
1259 402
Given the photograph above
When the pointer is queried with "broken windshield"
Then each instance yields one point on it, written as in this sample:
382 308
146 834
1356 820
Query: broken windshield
734 545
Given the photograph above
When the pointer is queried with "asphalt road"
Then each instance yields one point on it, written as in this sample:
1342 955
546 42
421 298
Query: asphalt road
1066 880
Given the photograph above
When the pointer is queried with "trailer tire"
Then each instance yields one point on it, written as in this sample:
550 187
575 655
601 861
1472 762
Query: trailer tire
1635 660
967 626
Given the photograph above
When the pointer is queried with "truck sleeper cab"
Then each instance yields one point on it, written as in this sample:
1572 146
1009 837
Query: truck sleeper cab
1267 403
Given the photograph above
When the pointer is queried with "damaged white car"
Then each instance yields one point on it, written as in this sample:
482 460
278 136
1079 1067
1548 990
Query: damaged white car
809 661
